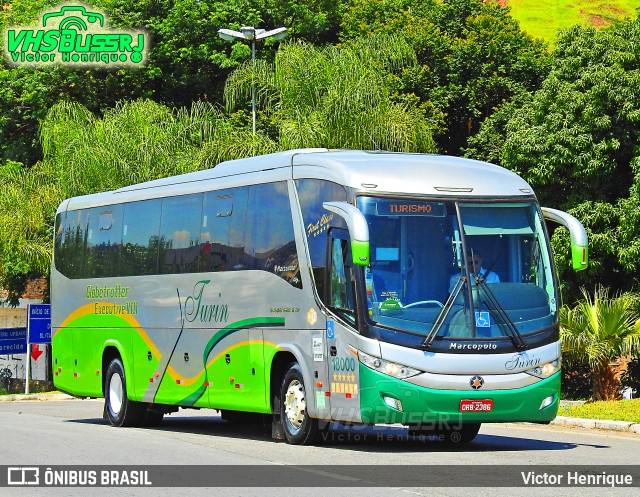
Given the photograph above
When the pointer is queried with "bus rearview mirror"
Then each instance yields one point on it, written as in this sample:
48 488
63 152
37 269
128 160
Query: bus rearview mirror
579 240
358 230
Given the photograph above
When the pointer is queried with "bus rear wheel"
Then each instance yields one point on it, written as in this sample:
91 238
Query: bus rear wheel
299 427
119 409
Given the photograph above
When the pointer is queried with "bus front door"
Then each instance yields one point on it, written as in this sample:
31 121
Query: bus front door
343 363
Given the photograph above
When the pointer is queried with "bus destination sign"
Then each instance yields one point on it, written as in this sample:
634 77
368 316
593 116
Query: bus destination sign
410 208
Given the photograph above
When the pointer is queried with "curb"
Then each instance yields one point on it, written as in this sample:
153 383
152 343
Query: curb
597 424
41 397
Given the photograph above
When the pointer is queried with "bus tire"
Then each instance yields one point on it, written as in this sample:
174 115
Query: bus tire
119 409
299 427
465 434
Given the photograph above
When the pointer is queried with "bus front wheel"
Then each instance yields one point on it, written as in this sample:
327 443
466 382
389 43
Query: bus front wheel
119 409
299 427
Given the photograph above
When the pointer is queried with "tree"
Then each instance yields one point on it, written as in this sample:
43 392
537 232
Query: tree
576 141
133 142
336 97
189 62
27 207
472 57
598 330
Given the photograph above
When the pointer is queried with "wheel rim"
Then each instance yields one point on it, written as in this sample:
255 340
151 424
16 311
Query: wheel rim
115 393
295 406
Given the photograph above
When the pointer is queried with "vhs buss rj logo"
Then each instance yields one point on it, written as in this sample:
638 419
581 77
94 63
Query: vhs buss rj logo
75 35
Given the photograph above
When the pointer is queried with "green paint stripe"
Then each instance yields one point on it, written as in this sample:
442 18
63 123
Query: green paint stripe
194 397
239 325
218 337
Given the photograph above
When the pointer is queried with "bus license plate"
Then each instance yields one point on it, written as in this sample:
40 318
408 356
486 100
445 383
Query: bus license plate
476 405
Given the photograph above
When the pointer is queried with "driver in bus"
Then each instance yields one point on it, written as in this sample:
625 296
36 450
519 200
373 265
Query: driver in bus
474 260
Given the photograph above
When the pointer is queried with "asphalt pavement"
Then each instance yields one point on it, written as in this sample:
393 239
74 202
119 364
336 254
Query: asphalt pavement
594 424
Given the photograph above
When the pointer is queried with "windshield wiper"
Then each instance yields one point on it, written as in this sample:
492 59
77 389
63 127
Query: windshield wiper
512 330
435 329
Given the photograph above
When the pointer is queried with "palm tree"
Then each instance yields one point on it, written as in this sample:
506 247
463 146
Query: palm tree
27 209
337 97
597 331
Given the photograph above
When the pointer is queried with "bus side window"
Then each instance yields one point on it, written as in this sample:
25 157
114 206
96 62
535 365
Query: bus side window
269 236
222 230
59 256
140 238
179 234
75 240
104 242
311 194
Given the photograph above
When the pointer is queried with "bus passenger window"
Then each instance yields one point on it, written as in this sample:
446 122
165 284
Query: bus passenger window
269 236
222 230
179 233
140 238
104 242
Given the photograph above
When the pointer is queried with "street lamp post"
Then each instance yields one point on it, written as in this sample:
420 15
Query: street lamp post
252 34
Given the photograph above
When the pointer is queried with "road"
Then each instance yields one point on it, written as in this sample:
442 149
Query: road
72 432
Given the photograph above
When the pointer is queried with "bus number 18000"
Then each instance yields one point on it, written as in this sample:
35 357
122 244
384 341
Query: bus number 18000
344 364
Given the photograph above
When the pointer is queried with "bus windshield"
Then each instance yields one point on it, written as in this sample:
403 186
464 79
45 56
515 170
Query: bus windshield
459 270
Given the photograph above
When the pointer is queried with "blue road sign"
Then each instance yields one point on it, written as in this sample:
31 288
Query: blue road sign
18 346
13 334
40 311
39 323
40 331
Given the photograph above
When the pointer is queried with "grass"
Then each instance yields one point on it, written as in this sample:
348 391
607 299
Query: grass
616 410
543 18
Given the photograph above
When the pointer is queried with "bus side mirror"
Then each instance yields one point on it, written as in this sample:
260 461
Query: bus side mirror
358 230
579 241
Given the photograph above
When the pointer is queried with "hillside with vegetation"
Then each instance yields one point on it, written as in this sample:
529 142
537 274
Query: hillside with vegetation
543 18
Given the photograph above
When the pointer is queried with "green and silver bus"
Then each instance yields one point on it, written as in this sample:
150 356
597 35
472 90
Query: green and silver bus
314 286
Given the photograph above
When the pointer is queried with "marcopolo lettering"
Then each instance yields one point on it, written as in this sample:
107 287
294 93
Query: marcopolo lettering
472 346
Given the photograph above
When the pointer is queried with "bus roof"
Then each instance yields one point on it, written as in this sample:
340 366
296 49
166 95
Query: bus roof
370 171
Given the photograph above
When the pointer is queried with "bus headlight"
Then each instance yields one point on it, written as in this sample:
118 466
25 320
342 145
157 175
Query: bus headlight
387 367
546 370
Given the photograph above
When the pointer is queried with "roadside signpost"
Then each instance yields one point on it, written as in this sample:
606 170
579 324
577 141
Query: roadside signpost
38 331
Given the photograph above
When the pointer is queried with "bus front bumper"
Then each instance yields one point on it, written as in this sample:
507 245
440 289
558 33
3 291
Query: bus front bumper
384 399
